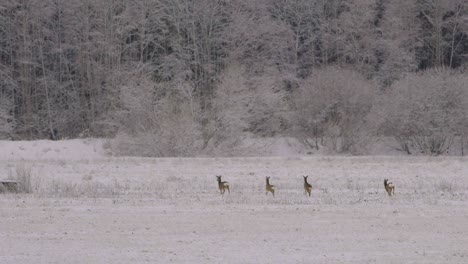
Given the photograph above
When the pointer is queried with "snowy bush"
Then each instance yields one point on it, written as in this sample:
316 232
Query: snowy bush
333 103
244 105
160 125
426 111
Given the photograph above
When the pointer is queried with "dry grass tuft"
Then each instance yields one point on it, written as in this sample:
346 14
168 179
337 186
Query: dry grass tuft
446 186
23 178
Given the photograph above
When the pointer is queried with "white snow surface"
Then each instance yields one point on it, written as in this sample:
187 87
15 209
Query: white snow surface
89 208
71 149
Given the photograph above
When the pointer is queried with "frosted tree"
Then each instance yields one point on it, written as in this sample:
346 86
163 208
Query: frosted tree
442 32
357 45
7 121
397 29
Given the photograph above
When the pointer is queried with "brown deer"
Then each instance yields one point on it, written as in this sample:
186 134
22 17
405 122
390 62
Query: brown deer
269 187
389 187
307 186
222 185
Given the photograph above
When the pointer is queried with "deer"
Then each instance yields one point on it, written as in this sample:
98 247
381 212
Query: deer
222 185
269 187
389 187
307 186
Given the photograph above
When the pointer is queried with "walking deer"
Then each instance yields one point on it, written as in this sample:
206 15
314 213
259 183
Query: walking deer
307 186
389 187
222 185
269 187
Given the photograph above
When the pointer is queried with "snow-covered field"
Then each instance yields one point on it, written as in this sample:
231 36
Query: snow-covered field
88 208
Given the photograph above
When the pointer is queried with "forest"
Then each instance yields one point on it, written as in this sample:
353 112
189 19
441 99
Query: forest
190 77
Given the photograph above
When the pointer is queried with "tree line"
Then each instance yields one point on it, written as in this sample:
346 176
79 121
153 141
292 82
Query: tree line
181 77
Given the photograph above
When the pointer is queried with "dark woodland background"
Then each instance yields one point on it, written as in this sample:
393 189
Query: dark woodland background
183 77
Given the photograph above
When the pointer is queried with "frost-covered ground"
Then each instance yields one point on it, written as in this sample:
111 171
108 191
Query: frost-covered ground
92 209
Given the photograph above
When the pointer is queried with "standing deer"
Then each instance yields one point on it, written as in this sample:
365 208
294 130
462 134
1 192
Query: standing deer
389 187
269 187
307 186
222 185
